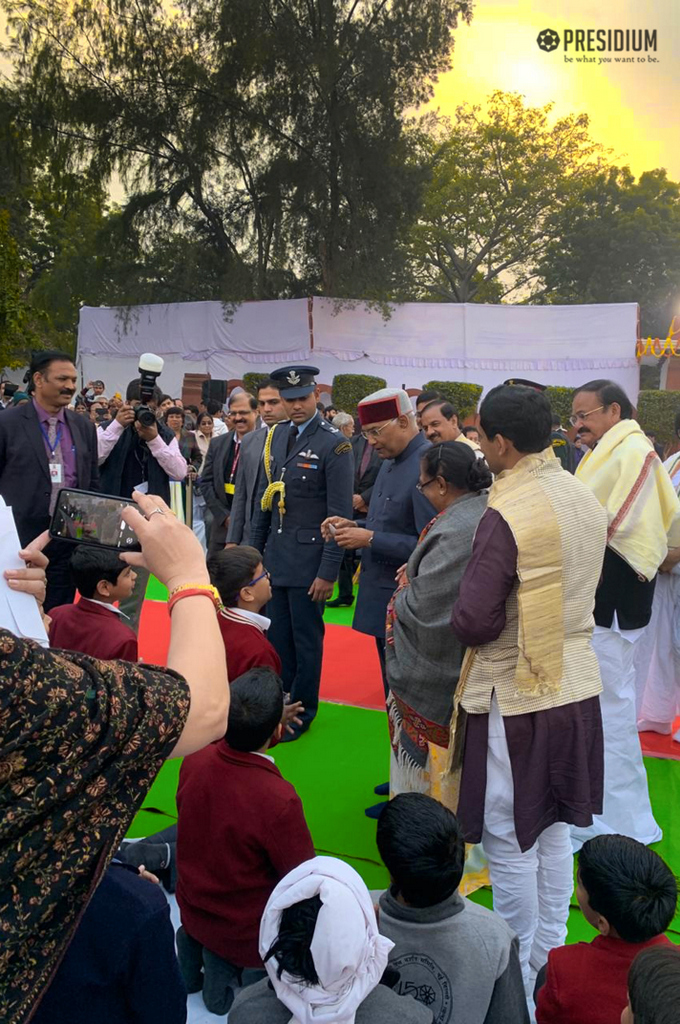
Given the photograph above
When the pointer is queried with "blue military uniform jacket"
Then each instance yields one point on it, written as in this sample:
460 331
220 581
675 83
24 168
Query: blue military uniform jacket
319 477
397 514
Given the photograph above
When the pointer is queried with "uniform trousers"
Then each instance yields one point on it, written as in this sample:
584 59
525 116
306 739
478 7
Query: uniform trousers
531 890
627 809
297 633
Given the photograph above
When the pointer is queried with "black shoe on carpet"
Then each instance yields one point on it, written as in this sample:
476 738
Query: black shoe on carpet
383 789
376 810
340 602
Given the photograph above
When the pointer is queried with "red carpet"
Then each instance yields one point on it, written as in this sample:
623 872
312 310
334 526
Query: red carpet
654 745
351 669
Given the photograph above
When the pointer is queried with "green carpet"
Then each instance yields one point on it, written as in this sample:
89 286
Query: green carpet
334 769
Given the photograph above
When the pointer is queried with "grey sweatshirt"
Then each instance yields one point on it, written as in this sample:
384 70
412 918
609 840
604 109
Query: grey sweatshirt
457 958
258 1004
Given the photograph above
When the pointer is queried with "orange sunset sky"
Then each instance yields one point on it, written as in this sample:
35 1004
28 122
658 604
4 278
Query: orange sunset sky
633 107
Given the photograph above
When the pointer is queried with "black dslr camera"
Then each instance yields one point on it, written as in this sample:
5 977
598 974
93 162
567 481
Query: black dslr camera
150 368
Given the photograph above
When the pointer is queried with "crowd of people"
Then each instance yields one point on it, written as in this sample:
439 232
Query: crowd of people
519 584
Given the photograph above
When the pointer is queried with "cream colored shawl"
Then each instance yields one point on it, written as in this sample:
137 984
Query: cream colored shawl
627 477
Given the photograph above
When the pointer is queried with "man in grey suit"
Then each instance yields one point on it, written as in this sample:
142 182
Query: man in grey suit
243 508
222 467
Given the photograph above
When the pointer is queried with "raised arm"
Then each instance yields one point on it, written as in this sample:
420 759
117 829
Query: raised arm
173 554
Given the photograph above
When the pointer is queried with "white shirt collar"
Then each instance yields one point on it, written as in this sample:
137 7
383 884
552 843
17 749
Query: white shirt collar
267 757
260 620
103 604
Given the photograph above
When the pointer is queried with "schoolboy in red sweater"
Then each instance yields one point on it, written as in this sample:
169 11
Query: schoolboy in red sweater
241 829
94 626
244 586
629 895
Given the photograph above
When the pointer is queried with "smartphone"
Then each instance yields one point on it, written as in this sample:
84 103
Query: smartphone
333 530
87 517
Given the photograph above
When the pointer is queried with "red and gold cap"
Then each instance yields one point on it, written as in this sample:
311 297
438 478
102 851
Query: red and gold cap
383 405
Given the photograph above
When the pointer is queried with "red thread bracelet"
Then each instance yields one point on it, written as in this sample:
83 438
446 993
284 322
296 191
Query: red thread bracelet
209 592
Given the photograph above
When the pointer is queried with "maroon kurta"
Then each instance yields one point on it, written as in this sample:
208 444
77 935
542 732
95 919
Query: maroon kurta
93 630
556 755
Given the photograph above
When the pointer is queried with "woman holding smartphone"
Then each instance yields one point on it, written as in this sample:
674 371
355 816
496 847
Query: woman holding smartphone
81 743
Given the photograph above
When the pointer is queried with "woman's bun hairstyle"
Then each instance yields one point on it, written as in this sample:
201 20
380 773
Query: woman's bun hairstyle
479 476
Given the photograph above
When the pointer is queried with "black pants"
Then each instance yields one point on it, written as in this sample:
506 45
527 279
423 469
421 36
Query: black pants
60 589
203 969
348 567
297 633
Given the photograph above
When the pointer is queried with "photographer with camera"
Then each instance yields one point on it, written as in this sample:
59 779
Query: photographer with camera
137 452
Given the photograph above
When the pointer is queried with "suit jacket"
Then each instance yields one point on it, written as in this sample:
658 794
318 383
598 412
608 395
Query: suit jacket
24 465
248 481
397 514
363 483
91 629
318 473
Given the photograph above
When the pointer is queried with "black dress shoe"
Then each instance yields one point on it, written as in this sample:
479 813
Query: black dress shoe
340 602
383 789
376 810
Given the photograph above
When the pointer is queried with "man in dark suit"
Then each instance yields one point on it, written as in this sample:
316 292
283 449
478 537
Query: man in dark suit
44 447
310 473
223 466
366 466
251 471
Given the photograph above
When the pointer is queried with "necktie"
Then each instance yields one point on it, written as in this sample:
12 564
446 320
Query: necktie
292 438
56 459
365 459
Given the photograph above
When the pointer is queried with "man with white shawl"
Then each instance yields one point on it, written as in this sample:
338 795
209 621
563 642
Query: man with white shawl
626 475
324 955
657 660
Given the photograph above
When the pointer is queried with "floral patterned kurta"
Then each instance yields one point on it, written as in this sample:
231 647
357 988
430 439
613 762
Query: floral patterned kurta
81 741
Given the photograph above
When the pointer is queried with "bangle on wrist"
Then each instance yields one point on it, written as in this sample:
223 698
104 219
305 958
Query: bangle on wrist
195 590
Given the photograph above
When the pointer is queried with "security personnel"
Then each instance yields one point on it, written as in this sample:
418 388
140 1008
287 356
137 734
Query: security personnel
309 472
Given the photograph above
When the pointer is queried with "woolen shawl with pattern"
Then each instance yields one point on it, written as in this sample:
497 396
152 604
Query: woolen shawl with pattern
81 741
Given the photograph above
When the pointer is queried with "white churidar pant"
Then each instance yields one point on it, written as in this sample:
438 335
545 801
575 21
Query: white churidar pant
627 807
531 890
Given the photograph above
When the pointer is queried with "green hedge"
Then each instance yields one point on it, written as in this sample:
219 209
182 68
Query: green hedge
560 402
656 411
350 388
463 397
251 381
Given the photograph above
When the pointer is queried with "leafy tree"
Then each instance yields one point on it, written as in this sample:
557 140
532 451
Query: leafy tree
498 178
269 133
618 241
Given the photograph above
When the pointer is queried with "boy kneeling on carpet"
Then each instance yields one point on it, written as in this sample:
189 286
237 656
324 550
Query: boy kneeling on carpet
460 959
94 626
629 894
241 829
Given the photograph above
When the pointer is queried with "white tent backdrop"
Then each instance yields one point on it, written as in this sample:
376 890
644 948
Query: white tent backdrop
562 345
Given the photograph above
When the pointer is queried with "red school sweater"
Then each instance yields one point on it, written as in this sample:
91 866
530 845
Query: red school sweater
241 829
587 983
246 644
91 629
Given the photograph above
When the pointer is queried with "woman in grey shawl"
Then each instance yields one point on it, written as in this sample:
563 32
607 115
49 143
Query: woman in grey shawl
423 656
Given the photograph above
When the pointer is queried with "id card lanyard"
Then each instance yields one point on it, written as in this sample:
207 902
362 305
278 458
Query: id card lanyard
56 468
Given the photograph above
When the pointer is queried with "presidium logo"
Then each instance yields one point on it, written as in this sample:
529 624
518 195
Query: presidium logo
610 40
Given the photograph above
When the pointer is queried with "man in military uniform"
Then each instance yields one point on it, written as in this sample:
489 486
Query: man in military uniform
309 475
